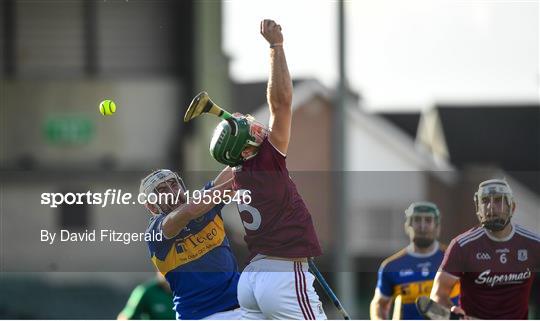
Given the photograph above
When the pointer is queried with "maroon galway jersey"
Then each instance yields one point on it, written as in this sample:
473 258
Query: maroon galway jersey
496 275
277 222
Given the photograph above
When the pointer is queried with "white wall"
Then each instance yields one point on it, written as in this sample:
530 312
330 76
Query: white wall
527 206
385 174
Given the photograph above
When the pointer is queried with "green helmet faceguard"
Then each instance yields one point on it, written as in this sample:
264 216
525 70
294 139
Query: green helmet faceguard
230 138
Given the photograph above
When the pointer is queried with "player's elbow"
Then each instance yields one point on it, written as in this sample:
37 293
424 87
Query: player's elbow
285 97
281 110
281 101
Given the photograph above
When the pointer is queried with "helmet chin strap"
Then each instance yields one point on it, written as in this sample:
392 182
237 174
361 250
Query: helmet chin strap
251 156
496 225
251 143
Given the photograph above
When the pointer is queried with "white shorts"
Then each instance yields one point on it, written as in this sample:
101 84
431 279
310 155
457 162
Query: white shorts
276 289
225 315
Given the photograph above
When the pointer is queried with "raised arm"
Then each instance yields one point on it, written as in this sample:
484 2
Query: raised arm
225 175
179 218
279 91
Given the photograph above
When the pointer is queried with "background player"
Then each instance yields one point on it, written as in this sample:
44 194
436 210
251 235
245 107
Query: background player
495 262
194 255
279 231
409 273
151 300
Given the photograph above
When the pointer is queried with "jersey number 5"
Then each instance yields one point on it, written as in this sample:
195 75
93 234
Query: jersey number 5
256 218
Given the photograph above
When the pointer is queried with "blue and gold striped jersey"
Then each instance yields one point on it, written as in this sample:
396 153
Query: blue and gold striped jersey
198 264
407 275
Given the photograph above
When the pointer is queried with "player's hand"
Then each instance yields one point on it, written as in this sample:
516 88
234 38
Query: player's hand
459 311
271 31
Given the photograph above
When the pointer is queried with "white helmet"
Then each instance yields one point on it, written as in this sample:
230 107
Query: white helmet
150 183
492 188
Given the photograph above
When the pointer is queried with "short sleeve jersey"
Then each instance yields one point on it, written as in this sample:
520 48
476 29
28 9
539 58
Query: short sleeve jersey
276 220
495 275
407 275
198 264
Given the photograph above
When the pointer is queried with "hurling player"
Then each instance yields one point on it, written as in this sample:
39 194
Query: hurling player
194 254
409 273
494 262
280 234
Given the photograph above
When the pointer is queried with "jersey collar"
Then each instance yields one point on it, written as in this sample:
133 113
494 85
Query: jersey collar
496 239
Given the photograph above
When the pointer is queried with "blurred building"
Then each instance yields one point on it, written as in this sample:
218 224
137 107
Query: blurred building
59 59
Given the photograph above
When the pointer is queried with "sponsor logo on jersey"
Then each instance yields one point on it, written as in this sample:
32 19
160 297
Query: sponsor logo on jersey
407 272
424 268
501 279
192 247
522 255
483 256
